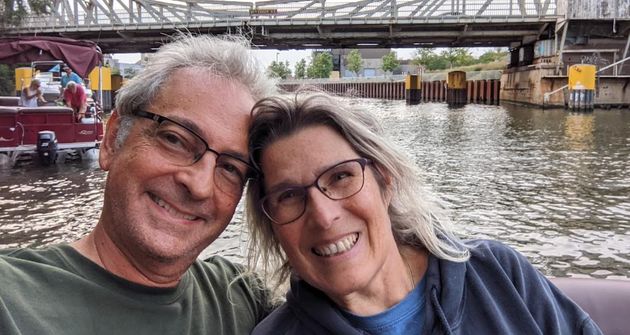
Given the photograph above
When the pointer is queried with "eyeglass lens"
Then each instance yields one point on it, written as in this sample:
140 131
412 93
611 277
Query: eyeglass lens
338 182
183 148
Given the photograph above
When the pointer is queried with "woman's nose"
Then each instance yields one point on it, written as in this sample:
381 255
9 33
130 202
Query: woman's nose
321 211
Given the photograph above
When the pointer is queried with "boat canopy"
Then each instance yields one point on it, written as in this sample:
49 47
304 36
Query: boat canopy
81 56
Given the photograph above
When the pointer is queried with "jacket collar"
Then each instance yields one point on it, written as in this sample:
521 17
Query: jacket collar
445 296
316 311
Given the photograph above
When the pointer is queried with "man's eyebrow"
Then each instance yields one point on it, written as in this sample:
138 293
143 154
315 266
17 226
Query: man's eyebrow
188 124
193 126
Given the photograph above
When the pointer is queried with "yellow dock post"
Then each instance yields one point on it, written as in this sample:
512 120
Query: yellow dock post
413 92
23 77
106 87
456 90
582 87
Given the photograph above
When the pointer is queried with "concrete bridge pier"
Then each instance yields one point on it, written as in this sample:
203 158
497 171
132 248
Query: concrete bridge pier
595 32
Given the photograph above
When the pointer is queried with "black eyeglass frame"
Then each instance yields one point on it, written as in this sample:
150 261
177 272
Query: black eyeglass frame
362 161
251 173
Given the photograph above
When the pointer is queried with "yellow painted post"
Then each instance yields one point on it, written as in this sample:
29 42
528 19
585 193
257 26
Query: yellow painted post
582 86
23 77
106 76
456 88
412 89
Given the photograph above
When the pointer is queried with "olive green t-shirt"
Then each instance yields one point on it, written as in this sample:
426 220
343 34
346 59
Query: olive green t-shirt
56 290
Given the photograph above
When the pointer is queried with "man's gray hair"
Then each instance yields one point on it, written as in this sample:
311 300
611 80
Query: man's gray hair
226 57
417 218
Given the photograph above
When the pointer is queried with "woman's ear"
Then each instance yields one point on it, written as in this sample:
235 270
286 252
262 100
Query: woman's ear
385 180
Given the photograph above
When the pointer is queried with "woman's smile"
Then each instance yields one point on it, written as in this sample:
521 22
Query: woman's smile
338 247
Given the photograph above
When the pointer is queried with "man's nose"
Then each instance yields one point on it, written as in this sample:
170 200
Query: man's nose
198 178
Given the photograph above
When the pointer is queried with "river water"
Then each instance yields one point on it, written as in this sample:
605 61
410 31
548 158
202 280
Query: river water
555 185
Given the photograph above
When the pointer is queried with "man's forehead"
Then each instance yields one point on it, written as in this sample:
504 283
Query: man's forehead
210 105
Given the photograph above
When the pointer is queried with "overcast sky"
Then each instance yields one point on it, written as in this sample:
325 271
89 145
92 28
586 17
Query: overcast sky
268 56
293 56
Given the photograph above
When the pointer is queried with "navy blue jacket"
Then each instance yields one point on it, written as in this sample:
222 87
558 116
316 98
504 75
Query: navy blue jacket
497 291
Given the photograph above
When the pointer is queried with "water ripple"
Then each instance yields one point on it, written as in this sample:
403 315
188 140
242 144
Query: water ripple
554 185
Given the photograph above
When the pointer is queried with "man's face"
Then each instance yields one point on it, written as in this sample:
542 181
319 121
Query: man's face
155 209
67 71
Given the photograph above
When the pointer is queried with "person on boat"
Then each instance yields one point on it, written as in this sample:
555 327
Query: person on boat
32 94
74 97
177 161
342 213
69 76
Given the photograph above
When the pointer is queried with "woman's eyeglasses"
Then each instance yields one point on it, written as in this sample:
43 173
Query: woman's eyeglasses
338 182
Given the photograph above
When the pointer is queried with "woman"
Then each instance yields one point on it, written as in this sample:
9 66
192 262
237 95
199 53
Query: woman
339 209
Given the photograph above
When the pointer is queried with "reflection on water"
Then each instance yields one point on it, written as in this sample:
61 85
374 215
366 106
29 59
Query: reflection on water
553 184
42 205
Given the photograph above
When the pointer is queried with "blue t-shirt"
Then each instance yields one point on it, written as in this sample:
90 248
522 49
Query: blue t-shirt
406 317
73 76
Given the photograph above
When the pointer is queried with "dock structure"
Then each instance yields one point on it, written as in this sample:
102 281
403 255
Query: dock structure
411 88
590 32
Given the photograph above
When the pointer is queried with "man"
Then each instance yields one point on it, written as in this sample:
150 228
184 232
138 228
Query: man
177 160
74 97
69 76
31 94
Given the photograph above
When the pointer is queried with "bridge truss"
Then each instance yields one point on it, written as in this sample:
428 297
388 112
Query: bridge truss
141 25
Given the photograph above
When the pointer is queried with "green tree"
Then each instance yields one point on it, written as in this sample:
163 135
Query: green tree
390 62
354 61
7 84
12 12
429 59
458 57
129 73
279 69
492 56
321 65
300 69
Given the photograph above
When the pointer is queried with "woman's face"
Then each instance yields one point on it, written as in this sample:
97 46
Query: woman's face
338 246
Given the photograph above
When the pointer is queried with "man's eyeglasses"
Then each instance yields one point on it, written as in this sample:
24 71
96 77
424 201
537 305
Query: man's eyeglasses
182 146
338 182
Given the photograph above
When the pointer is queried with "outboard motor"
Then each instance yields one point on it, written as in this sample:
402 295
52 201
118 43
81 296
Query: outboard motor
91 111
47 146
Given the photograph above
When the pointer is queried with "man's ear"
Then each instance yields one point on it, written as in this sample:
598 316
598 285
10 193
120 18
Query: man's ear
108 147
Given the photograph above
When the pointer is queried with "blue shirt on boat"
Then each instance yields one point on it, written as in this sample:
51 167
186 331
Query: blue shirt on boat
73 76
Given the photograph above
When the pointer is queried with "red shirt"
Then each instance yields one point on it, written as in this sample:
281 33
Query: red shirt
76 99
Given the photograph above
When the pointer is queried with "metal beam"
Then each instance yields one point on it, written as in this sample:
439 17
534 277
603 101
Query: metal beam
561 47
625 54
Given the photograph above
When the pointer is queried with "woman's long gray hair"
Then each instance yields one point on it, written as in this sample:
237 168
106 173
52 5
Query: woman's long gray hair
417 218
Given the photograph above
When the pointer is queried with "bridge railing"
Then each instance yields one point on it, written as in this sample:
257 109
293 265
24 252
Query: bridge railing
88 14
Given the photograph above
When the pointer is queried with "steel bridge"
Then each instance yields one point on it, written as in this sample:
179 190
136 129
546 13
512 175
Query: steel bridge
143 25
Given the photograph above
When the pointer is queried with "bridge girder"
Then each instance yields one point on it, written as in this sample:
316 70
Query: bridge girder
142 25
